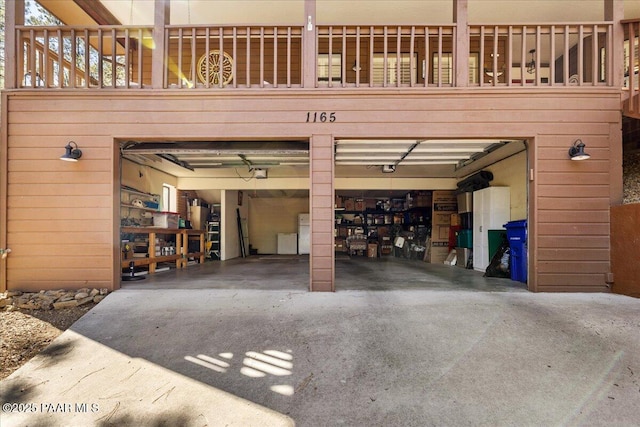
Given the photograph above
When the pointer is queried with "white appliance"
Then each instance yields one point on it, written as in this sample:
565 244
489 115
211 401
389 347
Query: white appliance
304 233
287 243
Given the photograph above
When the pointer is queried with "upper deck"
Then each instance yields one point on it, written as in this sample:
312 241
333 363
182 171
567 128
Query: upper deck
404 57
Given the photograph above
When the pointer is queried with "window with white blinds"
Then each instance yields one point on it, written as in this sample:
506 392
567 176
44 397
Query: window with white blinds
323 67
407 69
447 68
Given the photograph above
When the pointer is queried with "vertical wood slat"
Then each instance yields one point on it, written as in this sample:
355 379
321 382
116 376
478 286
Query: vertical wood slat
234 47
343 62
140 69
565 62
74 62
537 58
193 77
609 57
581 76
288 57
552 55
595 42
31 64
207 65
633 90
261 57
60 59
427 57
385 63
495 54
509 58
46 74
330 59
221 57
453 70
412 38
100 59
127 58
275 57
371 40
87 59
180 53
248 43
114 62
357 62
398 56
482 56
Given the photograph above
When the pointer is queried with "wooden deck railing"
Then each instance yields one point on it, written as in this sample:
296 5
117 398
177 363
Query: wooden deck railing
81 57
632 67
257 57
543 55
235 57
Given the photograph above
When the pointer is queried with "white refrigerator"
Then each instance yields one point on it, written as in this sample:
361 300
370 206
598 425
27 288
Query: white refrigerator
304 233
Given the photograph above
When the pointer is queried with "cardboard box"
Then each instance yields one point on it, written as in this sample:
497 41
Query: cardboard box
349 204
423 199
455 220
359 205
445 204
372 250
439 252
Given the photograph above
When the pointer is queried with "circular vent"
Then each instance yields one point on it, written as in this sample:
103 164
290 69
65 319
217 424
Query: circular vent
217 62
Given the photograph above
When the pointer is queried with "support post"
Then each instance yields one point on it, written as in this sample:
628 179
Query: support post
322 258
162 13
309 53
14 16
461 19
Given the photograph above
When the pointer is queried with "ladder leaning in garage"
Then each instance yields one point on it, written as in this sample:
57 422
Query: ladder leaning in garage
213 240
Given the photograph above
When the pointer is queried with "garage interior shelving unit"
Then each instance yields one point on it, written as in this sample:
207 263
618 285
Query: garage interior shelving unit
368 226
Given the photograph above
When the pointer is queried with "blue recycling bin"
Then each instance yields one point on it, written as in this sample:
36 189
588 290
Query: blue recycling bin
517 236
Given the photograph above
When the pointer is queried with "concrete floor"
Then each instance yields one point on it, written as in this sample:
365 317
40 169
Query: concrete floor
452 349
291 272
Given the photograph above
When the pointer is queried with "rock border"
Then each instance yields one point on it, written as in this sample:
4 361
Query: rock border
51 299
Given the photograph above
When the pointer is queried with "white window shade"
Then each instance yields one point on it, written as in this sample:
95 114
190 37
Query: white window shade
407 69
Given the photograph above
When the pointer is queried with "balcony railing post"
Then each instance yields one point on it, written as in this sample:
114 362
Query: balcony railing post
310 48
161 18
461 36
14 16
614 12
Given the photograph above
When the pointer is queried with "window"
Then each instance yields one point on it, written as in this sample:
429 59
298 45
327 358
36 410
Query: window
447 68
407 69
323 67
169 198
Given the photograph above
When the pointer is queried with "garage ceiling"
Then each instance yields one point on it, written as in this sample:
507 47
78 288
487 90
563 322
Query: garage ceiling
447 157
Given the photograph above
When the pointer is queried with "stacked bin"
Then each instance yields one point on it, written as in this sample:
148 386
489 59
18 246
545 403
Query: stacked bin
517 235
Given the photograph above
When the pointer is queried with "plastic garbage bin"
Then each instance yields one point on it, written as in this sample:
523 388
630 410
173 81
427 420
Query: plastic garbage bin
517 236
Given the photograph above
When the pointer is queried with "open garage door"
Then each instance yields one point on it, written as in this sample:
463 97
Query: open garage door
404 208
227 199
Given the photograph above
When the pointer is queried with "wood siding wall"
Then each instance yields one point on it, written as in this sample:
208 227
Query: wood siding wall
62 217
625 241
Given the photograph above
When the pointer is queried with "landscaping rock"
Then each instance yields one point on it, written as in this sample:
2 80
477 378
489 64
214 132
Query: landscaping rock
51 299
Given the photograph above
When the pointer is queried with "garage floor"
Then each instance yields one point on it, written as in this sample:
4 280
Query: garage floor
291 272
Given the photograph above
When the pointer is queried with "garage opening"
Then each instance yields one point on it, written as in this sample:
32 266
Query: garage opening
405 213
208 207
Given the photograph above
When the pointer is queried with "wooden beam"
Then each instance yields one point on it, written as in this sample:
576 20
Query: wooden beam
461 19
162 9
98 12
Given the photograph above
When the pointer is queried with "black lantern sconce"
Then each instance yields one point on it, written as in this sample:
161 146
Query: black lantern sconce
576 152
72 152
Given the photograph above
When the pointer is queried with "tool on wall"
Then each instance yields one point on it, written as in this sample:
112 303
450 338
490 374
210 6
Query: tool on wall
240 234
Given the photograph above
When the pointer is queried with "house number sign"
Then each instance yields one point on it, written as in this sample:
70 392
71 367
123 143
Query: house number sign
320 117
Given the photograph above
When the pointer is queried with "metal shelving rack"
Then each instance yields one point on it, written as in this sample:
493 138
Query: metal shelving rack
214 236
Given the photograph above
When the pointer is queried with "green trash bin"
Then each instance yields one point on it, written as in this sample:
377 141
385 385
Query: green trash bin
496 237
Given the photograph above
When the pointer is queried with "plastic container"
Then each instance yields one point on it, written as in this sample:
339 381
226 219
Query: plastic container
465 239
166 220
517 235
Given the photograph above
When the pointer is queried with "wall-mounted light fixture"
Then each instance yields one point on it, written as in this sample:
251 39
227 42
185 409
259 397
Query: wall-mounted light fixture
72 152
356 66
576 152
531 65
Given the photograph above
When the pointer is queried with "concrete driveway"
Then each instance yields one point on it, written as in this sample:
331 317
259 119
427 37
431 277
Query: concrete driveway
408 357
